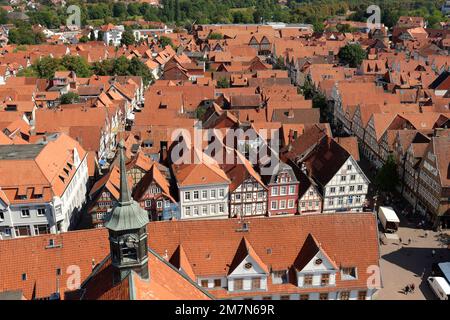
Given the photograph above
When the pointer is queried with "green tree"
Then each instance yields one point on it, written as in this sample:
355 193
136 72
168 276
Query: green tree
279 64
3 16
83 39
120 66
128 37
165 41
215 36
387 177
352 55
69 97
29 72
24 34
46 67
119 10
223 83
77 64
345 28
138 68
133 9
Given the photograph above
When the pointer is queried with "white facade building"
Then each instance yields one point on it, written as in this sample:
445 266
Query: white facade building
52 190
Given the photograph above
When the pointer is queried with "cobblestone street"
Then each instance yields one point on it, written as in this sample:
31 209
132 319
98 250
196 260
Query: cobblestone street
403 264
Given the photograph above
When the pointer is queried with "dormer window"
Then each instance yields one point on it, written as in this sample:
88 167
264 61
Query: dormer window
279 277
325 279
349 273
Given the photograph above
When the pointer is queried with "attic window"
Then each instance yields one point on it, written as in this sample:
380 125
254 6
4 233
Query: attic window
349 273
318 261
58 271
248 265
51 242
24 276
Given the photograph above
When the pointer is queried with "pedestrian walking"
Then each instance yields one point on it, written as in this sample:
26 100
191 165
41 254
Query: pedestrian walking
406 289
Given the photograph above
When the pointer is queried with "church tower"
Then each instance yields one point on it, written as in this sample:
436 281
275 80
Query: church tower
127 231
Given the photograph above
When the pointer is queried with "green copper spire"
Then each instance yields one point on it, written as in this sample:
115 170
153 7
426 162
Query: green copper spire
125 196
128 215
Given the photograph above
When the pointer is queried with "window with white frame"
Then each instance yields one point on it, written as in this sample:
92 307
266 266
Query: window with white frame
187 211
352 177
213 194
187 195
204 194
283 204
41 212
273 205
41 229
341 189
283 190
195 195
213 209
360 187
195 211
332 190
221 192
22 231
274 191
340 200
204 210
221 208
148 203
352 188
25 213
331 202
343 178
291 189
159 204
291 204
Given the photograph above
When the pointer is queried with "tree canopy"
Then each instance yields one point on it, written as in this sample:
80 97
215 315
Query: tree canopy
69 97
387 177
352 54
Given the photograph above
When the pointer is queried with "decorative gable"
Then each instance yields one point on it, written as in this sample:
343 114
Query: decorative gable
313 258
246 262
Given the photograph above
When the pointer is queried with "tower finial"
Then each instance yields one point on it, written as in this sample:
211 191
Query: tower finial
125 197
